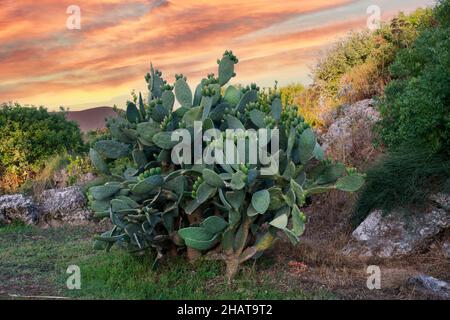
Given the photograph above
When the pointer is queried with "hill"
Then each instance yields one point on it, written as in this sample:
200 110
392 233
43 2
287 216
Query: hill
91 119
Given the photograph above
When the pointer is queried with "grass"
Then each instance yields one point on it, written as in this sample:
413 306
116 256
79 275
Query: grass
33 262
403 178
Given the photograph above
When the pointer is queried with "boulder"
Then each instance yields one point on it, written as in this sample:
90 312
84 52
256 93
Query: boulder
351 129
66 205
430 286
18 207
398 233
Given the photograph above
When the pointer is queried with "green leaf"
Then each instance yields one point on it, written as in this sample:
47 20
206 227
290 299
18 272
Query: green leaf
204 192
234 123
198 238
280 222
318 152
276 108
226 70
235 198
232 95
261 201
214 224
104 192
331 173
298 225
248 97
213 178
257 117
139 157
237 180
132 113
168 100
251 211
112 149
183 93
351 183
276 198
307 144
194 114
291 236
147 130
164 140
98 162
148 185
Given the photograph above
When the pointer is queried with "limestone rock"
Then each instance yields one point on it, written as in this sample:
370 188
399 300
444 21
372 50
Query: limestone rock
396 233
18 207
66 205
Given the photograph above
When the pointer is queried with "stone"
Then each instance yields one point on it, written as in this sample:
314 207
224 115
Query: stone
397 233
430 286
351 129
65 205
18 207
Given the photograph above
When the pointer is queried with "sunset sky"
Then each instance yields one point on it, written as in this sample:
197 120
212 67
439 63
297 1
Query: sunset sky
44 63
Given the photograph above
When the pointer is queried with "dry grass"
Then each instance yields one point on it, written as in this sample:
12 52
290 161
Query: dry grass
328 231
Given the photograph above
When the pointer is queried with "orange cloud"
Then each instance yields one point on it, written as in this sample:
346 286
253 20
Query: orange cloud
41 62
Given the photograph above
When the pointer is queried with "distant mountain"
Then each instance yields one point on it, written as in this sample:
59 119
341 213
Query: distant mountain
91 119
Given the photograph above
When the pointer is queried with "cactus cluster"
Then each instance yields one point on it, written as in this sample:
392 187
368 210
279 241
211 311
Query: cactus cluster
228 212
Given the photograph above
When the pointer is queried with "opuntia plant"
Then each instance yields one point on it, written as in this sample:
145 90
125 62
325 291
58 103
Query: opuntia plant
232 212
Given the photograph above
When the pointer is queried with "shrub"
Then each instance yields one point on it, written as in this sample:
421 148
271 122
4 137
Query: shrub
30 135
358 67
416 109
231 212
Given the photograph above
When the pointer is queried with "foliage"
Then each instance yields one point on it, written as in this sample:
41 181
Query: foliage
416 109
30 135
357 67
402 178
232 212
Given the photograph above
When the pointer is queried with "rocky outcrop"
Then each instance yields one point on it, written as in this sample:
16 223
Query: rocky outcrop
430 286
351 128
55 206
67 205
399 233
17 207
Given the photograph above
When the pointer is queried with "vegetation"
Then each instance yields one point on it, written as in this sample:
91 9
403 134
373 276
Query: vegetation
416 109
41 258
403 178
29 136
232 212
357 68
415 123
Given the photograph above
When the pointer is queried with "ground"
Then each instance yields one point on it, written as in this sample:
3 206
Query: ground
33 263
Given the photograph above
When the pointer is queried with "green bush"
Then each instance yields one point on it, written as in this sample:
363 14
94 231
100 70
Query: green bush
29 136
416 109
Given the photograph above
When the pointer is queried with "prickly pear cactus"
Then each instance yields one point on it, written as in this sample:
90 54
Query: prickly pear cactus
239 209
